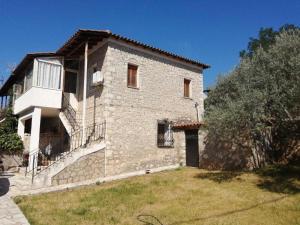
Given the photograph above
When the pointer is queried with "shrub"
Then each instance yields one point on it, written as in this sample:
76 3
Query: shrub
10 142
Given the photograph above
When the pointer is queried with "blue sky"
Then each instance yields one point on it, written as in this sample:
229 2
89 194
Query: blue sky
207 30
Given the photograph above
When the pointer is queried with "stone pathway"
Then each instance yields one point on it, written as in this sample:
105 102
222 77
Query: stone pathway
10 214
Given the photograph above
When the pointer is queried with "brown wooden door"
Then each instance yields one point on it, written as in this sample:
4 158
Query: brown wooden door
192 148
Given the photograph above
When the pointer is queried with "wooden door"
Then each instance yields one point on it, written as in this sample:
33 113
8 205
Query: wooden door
192 148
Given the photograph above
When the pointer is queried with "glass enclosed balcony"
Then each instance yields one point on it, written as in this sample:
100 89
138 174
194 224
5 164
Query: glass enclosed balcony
41 86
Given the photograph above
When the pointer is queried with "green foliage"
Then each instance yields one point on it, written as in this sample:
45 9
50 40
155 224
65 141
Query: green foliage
259 97
266 38
10 142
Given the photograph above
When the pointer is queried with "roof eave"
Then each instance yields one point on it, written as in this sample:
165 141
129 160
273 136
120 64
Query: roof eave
24 62
169 54
86 35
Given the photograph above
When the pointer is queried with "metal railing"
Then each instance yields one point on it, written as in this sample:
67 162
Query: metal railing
164 140
69 112
95 132
5 102
43 159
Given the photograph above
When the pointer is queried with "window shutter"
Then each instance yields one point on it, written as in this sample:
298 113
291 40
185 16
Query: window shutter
187 88
132 76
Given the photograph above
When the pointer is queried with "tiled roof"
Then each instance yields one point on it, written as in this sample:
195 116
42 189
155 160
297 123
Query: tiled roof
94 35
187 124
76 44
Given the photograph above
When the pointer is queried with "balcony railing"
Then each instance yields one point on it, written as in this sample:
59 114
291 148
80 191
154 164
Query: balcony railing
5 102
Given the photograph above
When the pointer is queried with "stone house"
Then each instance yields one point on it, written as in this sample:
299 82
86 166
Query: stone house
104 105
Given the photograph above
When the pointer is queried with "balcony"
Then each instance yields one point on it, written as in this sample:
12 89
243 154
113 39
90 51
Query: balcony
38 97
41 86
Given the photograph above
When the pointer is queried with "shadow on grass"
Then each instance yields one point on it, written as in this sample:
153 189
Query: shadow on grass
280 179
192 221
219 177
152 220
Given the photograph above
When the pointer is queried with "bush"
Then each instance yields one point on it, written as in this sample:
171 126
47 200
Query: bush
10 142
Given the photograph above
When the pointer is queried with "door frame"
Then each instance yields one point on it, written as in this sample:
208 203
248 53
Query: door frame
192 148
76 95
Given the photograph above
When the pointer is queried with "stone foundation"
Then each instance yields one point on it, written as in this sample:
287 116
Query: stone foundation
87 167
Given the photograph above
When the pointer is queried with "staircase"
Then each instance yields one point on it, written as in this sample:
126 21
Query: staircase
68 115
44 176
65 122
47 164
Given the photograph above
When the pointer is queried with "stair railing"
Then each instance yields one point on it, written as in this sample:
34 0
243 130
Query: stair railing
69 112
95 132
43 159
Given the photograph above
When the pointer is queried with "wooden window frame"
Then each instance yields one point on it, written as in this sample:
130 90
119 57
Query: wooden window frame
129 84
187 93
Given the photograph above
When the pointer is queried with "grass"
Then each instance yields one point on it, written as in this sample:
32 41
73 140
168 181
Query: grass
184 196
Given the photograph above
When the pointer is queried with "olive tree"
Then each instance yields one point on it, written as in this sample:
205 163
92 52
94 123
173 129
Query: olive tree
259 99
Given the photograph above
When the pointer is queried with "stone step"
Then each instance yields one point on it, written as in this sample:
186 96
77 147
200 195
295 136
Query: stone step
65 122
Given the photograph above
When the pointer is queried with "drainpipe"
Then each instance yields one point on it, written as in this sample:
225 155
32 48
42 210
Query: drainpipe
197 110
84 94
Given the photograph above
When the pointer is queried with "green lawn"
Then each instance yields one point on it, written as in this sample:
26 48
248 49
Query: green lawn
182 196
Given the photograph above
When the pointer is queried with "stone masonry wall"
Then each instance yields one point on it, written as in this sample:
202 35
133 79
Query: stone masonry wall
95 95
132 114
87 167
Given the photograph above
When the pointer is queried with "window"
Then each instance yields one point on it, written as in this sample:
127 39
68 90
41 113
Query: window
187 88
48 75
164 134
132 76
70 82
28 78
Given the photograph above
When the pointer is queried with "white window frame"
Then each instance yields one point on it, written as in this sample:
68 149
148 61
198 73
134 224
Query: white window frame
36 69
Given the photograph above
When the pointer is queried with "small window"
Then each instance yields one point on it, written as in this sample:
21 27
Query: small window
187 91
164 134
132 76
